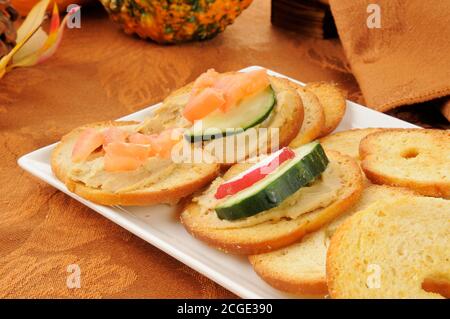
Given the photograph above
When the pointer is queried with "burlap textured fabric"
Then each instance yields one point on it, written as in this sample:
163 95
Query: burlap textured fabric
407 59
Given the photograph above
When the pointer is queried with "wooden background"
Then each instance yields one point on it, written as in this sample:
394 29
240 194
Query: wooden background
98 74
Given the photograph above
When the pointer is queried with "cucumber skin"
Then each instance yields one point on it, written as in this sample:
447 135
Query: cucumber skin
281 188
208 137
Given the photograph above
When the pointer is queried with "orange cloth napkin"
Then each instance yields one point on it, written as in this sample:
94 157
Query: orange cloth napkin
405 61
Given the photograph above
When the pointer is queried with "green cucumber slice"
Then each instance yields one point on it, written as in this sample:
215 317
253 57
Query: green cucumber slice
248 113
310 161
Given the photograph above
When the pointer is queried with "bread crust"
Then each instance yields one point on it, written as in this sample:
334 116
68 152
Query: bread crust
314 118
312 281
316 287
135 198
168 196
368 153
437 285
333 103
333 248
289 123
292 125
340 270
245 244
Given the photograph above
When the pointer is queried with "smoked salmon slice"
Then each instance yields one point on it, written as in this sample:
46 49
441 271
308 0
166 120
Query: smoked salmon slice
139 138
205 102
256 81
161 144
115 163
114 134
167 140
212 91
240 85
120 156
88 141
151 140
205 80
124 151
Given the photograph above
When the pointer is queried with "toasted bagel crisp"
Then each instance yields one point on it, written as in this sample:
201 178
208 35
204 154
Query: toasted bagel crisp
300 268
347 142
287 115
185 180
268 236
333 103
415 158
394 249
314 119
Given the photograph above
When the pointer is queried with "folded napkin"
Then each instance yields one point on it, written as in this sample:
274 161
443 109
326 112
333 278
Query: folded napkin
407 59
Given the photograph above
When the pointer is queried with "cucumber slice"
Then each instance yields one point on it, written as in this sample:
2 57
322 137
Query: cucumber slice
310 161
248 113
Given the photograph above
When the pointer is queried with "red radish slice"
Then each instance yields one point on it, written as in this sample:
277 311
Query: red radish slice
114 134
254 174
88 141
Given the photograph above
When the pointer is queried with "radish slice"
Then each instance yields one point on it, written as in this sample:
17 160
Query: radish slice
254 174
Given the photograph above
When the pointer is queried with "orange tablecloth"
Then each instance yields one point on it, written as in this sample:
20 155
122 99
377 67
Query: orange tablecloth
98 74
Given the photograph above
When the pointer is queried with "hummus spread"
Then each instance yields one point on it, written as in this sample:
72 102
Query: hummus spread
92 174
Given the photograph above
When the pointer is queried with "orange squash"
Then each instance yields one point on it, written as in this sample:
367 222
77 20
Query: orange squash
171 21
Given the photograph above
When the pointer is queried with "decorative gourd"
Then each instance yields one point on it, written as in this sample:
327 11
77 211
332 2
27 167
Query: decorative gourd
171 21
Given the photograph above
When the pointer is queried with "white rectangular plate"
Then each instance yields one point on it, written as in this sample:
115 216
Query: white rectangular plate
158 225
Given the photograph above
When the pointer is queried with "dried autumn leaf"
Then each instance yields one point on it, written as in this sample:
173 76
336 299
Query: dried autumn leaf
34 45
55 36
39 43
33 20
5 60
